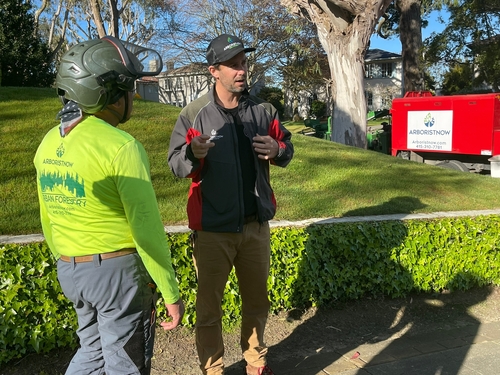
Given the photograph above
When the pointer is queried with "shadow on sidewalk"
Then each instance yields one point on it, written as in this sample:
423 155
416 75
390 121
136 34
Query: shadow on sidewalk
354 326
444 324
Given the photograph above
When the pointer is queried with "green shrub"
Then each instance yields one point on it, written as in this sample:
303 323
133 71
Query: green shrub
36 316
273 95
315 265
318 108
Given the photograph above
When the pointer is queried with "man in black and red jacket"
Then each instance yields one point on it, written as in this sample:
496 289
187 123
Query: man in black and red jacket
225 141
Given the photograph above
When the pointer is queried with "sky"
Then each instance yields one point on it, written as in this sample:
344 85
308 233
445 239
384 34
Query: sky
394 45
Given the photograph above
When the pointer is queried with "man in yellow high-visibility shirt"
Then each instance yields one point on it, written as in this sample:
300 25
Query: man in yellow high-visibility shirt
99 212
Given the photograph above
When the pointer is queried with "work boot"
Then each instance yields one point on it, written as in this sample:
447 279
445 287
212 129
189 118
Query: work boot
264 370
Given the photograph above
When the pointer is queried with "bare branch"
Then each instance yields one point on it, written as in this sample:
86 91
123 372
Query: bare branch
38 13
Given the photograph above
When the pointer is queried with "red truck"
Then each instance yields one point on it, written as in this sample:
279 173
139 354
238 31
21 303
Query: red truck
459 132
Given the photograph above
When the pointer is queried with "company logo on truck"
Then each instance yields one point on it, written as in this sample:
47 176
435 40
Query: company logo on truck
429 130
429 120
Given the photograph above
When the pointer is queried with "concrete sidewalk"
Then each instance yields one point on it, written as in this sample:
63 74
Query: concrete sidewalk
459 351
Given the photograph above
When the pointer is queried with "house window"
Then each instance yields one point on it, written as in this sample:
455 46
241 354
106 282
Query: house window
386 69
369 99
383 70
369 71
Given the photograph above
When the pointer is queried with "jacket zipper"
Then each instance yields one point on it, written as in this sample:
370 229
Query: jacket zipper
239 193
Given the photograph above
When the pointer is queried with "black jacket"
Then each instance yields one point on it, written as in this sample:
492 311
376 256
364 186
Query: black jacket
215 201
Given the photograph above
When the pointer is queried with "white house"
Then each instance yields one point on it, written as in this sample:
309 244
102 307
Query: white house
180 86
383 82
383 78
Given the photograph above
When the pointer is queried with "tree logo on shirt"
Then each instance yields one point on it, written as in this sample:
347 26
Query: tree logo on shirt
60 150
66 189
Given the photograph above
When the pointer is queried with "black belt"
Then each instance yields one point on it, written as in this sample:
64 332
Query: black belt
90 258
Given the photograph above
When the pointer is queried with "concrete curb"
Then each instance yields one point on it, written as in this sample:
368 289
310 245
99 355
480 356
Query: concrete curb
31 238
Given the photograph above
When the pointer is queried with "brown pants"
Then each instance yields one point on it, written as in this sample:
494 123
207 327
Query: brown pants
214 256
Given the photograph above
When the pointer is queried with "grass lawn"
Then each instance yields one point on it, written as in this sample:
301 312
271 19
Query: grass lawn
325 179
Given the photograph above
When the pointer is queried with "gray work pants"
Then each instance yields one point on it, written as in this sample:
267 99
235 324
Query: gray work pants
114 300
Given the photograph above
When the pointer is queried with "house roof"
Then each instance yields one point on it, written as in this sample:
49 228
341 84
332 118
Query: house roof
193 68
378 54
148 79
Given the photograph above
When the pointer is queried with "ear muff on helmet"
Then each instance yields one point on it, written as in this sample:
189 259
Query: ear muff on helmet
98 72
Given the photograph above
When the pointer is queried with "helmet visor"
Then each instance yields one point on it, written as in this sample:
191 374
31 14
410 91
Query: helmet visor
139 61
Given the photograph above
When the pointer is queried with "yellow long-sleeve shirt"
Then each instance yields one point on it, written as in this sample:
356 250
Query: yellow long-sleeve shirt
96 196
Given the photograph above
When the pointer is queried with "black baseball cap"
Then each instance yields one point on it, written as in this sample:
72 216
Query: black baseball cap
224 48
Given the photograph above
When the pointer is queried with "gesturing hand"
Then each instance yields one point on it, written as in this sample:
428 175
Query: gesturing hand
265 146
200 146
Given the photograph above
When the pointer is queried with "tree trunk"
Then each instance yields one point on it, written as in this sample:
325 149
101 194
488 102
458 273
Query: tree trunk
96 13
344 29
115 18
347 91
410 34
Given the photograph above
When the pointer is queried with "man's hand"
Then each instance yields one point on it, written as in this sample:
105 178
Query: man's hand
175 311
265 146
200 146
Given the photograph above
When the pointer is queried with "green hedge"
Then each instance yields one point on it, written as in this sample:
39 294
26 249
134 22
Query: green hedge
35 315
310 266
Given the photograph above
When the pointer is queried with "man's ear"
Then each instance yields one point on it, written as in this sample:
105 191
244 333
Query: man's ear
213 71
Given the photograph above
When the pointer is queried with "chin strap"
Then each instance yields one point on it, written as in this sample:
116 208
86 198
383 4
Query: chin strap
70 116
124 117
